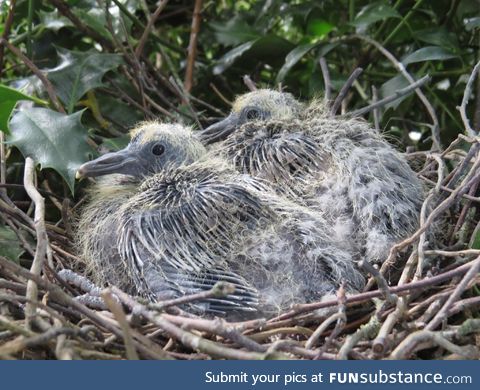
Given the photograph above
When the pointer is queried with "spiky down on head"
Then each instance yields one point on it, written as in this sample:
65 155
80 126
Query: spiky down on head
255 106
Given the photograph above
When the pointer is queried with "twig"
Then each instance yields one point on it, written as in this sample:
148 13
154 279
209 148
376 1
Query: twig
189 339
362 297
343 92
117 311
6 32
442 314
326 80
148 28
143 344
376 111
398 94
461 190
322 328
220 95
3 163
192 46
408 346
466 97
423 237
249 83
339 326
64 9
381 282
219 290
218 327
46 83
365 331
380 341
401 68
42 239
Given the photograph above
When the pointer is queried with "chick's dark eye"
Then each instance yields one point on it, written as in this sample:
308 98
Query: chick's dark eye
158 149
253 113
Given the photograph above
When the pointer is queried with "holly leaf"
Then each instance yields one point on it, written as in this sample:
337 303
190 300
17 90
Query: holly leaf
54 20
8 99
52 139
9 244
79 72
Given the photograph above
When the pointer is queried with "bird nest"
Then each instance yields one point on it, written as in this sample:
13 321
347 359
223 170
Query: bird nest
423 302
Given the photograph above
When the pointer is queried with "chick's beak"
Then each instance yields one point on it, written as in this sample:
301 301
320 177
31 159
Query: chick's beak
220 130
122 161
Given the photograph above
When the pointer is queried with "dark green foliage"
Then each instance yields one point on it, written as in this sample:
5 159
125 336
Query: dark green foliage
273 42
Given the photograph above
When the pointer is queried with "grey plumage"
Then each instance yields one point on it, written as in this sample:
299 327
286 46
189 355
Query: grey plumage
339 167
177 222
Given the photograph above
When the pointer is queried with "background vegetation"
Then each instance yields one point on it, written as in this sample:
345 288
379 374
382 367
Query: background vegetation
75 75
104 70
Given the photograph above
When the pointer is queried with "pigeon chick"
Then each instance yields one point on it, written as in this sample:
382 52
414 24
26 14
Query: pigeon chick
168 220
340 167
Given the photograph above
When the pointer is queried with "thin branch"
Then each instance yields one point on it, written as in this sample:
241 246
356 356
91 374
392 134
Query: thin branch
376 111
326 80
398 94
249 83
401 68
443 313
219 290
65 10
148 28
119 314
408 346
46 83
189 339
42 239
466 97
381 282
343 92
6 32
362 297
192 46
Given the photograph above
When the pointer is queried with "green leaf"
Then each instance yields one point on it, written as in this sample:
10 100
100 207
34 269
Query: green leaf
476 241
9 244
299 52
118 112
293 57
92 13
115 144
390 87
8 99
230 57
54 20
52 139
80 72
437 36
472 23
270 49
373 13
319 27
234 32
429 53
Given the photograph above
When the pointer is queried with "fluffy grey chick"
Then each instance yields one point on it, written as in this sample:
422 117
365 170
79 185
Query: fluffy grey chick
167 220
340 167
